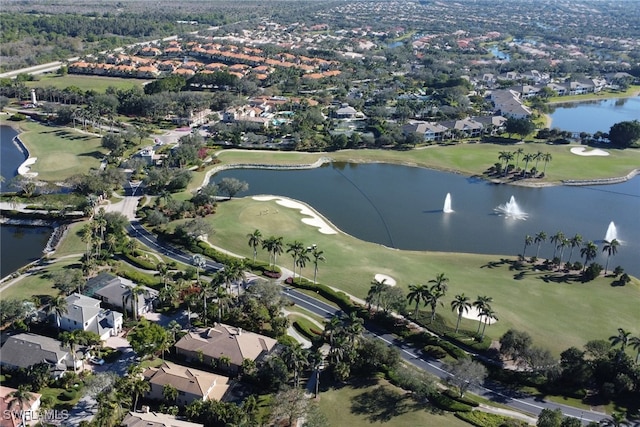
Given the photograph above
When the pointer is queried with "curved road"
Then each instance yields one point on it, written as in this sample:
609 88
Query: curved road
490 390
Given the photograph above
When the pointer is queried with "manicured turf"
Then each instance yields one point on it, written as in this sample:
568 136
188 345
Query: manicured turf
557 314
72 244
61 152
378 403
96 83
38 284
469 159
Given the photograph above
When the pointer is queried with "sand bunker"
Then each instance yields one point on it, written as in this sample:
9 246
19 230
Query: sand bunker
582 151
474 314
314 220
388 279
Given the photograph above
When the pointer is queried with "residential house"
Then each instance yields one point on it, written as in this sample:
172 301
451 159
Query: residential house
468 127
347 112
117 292
10 411
210 344
429 131
155 419
85 313
192 384
508 104
27 349
492 124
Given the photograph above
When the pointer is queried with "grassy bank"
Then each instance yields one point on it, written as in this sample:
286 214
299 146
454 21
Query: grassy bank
557 314
84 83
61 152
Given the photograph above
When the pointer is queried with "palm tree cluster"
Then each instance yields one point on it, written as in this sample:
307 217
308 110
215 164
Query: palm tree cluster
344 335
300 253
560 242
504 167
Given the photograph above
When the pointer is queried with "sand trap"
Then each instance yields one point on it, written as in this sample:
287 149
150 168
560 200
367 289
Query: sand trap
314 221
474 314
582 151
389 280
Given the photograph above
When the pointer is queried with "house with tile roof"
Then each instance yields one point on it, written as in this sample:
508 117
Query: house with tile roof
210 344
429 131
85 313
192 384
155 419
28 349
10 411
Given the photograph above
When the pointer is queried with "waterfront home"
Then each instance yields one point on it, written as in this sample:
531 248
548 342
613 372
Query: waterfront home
28 349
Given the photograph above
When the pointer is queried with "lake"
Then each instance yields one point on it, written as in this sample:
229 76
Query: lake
19 245
401 207
594 116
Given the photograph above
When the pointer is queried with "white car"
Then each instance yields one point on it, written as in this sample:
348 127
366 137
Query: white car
96 361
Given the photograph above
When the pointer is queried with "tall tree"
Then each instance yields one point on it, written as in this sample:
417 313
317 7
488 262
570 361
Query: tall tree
460 304
611 248
317 256
441 282
417 293
588 252
575 242
22 398
295 249
555 241
58 307
622 338
432 299
540 237
528 240
482 303
255 240
465 374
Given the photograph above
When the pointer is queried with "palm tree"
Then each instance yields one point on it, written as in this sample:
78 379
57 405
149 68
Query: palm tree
21 398
353 327
332 326
611 248
58 307
199 262
528 240
461 305
417 293
617 419
482 303
139 387
71 339
432 298
634 342
555 240
134 297
622 338
540 237
295 249
519 152
86 235
163 271
205 289
255 240
295 358
376 290
537 157
575 242
316 360
589 252
301 262
527 158
441 282
317 256
488 314
546 157
170 393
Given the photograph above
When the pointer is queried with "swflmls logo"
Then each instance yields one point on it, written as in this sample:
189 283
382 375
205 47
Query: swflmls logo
43 415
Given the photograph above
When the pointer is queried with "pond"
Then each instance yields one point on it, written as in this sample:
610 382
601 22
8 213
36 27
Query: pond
402 207
594 116
19 244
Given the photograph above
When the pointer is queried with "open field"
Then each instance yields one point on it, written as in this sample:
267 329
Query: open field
376 402
61 152
468 159
556 313
96 83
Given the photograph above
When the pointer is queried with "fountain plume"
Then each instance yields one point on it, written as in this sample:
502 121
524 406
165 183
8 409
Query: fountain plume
612 232
447 204
511 209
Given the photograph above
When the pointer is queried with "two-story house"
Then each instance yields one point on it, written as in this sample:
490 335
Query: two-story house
85 313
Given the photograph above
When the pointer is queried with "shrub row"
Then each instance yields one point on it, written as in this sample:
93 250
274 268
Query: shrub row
307 329
340 298
137 277
446 403
455 396
139 262
484 419
429 341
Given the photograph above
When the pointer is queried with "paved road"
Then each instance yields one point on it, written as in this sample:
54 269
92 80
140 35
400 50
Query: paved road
492 391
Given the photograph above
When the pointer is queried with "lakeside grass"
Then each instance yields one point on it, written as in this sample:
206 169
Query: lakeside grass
85 83
468 159
535 301
38 284
61 152
605 94
364 403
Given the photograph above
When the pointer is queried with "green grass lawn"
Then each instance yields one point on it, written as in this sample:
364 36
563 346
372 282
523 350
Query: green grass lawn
606 94
72 244
97 83
61 152
380 403
38 284
469 159
557 314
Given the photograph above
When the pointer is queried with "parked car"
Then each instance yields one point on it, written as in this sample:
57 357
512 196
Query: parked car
96 361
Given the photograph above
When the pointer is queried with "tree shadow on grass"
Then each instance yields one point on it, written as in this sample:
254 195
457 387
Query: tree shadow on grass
560 278
382 404
95 154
